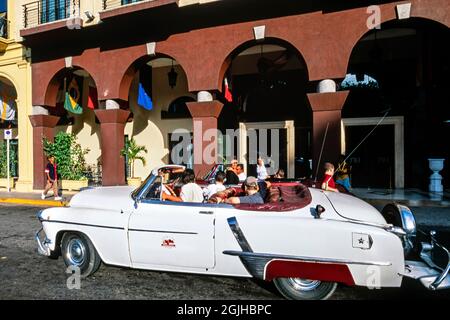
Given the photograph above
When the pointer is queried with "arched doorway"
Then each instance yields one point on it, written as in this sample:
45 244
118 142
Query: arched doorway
157 96
408 62
76 101
9 123
265 89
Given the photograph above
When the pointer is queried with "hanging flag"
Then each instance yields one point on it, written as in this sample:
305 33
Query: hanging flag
228 95
92 98
144 98
8 111
7 104
72 101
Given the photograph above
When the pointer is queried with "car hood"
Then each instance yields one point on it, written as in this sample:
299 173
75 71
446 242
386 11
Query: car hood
105 198
353 208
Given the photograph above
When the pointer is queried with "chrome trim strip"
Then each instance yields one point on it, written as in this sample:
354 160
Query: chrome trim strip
83 224
188 204
239 235
300 258
161 231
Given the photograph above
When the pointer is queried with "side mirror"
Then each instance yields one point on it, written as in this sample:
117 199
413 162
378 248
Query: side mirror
319 211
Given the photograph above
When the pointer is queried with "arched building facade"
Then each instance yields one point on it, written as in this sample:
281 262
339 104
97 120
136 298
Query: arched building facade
305 50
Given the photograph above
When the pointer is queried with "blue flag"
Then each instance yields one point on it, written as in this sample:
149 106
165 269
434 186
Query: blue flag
144 90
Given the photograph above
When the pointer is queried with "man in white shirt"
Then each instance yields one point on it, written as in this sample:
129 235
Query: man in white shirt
190 191
240 172
261 170
216 187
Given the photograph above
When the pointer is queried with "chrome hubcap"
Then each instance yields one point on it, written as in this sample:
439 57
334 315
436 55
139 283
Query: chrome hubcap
303 284
76 252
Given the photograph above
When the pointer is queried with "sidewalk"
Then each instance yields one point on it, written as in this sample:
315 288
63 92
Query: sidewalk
408 197
34 198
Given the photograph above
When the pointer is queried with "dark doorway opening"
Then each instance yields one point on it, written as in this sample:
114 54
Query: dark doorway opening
373 162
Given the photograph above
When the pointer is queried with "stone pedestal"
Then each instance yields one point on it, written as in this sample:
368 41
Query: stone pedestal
436 165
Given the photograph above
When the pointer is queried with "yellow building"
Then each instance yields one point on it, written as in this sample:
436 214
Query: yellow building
15 84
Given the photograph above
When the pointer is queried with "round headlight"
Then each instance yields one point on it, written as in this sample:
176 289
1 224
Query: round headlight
408 219
400 216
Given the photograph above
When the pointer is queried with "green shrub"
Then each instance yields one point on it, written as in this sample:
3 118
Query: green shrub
69 156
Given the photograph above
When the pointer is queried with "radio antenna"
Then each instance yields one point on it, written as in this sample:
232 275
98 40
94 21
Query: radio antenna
368 135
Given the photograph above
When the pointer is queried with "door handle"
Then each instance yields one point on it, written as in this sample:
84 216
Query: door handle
206 212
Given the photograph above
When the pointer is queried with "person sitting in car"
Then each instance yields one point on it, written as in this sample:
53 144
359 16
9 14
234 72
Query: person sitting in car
215 187
252 194
190 191
240 172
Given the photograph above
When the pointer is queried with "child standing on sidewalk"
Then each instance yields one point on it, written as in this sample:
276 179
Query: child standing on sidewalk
52 178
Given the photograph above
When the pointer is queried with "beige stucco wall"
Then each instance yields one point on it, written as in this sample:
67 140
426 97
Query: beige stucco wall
147 127
15 66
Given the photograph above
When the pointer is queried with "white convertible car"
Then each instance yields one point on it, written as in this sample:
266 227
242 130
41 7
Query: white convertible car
303 239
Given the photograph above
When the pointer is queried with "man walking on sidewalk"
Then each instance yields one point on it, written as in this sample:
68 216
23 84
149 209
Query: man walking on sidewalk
52 178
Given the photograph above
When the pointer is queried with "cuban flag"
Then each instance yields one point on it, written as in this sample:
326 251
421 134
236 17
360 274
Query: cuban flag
144 98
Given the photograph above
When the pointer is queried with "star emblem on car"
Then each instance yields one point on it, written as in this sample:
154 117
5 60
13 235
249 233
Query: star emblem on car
361 240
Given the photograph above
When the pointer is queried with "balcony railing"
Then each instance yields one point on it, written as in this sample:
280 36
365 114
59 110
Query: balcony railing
44 11
112 4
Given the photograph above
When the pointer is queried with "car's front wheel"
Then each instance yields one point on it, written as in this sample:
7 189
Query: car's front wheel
304 289
78 251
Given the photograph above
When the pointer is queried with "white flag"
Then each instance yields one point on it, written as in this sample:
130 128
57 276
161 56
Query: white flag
7 109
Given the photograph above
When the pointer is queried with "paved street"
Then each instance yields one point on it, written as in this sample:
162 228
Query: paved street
26 275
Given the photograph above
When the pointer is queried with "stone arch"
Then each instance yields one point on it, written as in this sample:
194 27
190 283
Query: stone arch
16 86
54 82
362 30
230 55
128 75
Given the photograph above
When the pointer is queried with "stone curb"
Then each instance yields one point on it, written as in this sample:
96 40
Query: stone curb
34 202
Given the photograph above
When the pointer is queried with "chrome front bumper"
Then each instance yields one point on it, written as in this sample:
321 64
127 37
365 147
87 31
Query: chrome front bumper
43 247
431 275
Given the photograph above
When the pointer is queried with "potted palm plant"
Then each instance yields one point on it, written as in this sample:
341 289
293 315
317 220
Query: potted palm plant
132 152
70 159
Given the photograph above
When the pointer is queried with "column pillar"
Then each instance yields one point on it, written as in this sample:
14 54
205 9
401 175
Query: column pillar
43 126
204 117
112 127
326 108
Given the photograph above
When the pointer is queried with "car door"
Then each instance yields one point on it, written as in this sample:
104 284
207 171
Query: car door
168 233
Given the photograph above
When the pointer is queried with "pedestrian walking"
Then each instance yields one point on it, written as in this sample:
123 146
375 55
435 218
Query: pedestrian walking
52 178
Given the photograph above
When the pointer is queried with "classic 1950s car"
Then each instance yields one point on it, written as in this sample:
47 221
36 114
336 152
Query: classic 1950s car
305 240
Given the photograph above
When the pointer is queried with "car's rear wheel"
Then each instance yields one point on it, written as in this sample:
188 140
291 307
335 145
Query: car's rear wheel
304 289
78 251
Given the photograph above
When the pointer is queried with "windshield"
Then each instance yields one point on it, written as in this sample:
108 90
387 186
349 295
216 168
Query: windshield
169 175
212 173
141 188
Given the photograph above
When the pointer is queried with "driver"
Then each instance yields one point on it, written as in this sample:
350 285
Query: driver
190 191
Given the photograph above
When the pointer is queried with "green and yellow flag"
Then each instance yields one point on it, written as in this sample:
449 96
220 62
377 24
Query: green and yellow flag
72 102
